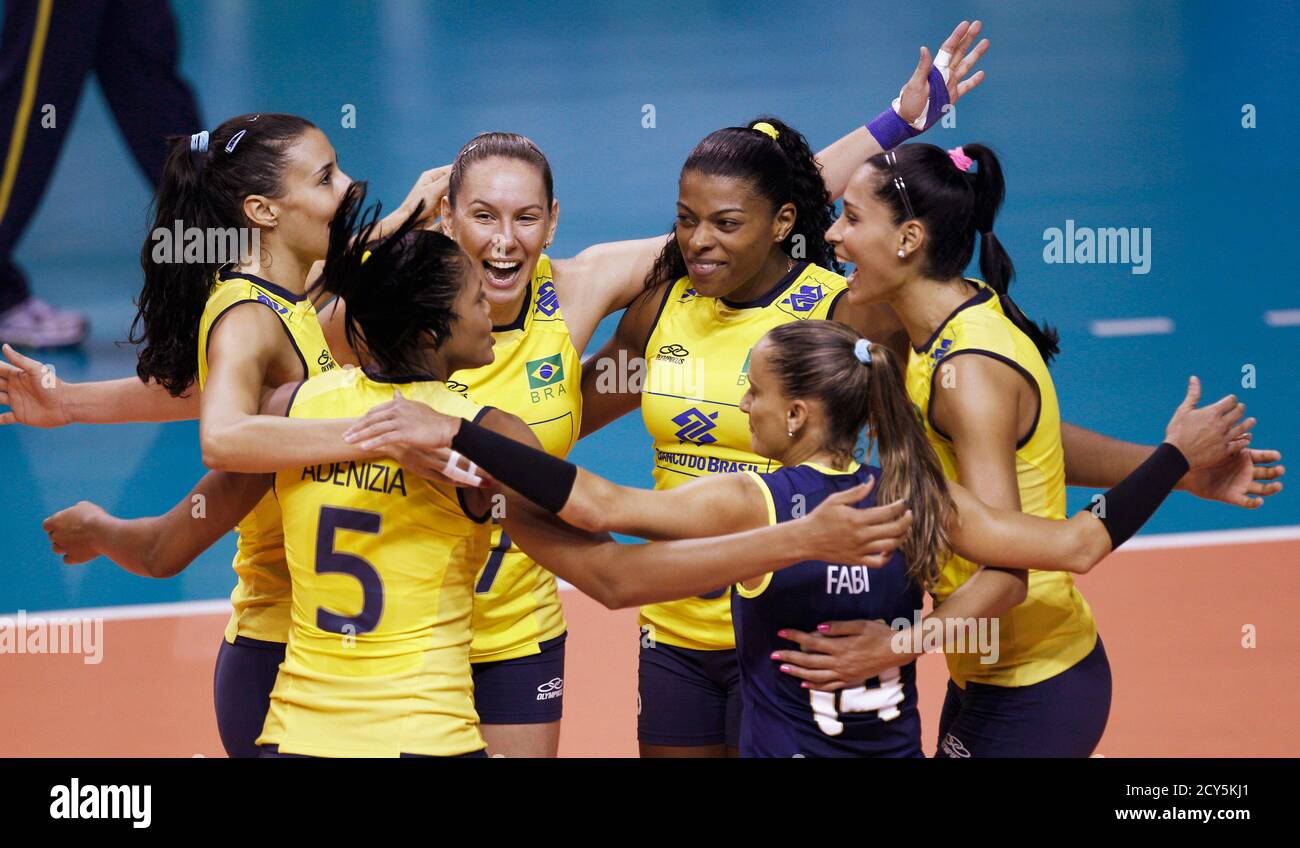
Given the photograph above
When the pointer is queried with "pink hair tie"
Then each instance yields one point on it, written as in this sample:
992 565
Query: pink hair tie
960 159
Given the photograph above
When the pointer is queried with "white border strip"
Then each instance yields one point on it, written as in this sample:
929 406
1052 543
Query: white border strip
1105 329
1282 318
1156 541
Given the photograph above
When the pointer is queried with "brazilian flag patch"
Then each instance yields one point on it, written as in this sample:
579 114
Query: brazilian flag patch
545 372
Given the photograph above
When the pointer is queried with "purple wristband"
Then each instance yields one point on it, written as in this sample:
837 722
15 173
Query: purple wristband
890 130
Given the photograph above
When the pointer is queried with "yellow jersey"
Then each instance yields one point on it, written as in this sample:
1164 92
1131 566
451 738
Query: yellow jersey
1053 629
697 360
536 375
382 564
260 600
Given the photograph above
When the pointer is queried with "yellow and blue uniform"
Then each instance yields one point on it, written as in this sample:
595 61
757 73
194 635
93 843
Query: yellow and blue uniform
1053 630
536 374
697 359
261 597
382 564
780 719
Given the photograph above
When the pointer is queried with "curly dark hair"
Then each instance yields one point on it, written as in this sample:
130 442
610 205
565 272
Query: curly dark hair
399 289
783 170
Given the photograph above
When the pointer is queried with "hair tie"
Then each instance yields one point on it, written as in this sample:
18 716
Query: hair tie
960 159
862 350
199 142
766 129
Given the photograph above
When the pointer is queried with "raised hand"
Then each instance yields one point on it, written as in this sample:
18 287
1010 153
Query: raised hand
429 189
960 60
1212 434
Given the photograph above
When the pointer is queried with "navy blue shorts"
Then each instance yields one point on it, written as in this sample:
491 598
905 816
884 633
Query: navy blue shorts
1062 716
241 689
273 752
524 690
687 698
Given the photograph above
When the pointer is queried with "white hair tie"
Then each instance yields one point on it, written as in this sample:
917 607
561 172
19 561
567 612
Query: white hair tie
862 350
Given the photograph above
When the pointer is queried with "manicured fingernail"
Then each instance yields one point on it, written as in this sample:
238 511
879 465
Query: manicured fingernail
781 633
776 655
823 628
785 668
804 685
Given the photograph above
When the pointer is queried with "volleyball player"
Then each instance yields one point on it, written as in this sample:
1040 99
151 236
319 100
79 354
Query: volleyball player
236 330
977 372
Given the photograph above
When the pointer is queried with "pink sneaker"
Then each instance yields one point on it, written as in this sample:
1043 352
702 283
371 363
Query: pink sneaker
34 323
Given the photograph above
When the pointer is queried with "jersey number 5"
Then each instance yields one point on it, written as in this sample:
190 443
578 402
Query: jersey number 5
330 561
884 699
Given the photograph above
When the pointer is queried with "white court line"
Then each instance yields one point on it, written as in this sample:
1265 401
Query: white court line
1155 541
1132 327
1211 538
1282 317
179 609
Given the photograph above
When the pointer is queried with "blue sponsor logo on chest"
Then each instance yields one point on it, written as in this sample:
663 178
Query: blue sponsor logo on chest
547 300
695 426
801 302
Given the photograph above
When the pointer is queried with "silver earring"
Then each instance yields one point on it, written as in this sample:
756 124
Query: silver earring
901 254
791 432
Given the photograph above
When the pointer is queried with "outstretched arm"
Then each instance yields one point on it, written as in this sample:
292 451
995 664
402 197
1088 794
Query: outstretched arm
1244 479
38 398
621 575
164 545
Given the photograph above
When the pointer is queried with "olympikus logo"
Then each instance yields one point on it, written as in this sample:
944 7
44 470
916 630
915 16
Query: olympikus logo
553 688
688 294
547 300
695 426
92 801
672 353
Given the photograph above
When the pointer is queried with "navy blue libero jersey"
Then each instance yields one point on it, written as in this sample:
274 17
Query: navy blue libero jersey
782 719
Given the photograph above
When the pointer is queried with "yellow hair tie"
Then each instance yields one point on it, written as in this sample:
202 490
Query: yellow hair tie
365 256
766 129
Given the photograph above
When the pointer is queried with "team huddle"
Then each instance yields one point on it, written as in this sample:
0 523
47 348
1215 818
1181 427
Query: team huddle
386 404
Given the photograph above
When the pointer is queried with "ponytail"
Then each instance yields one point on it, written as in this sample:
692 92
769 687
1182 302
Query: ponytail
995 263
910 470
399 290
957 205
781 169
205 180
823 361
